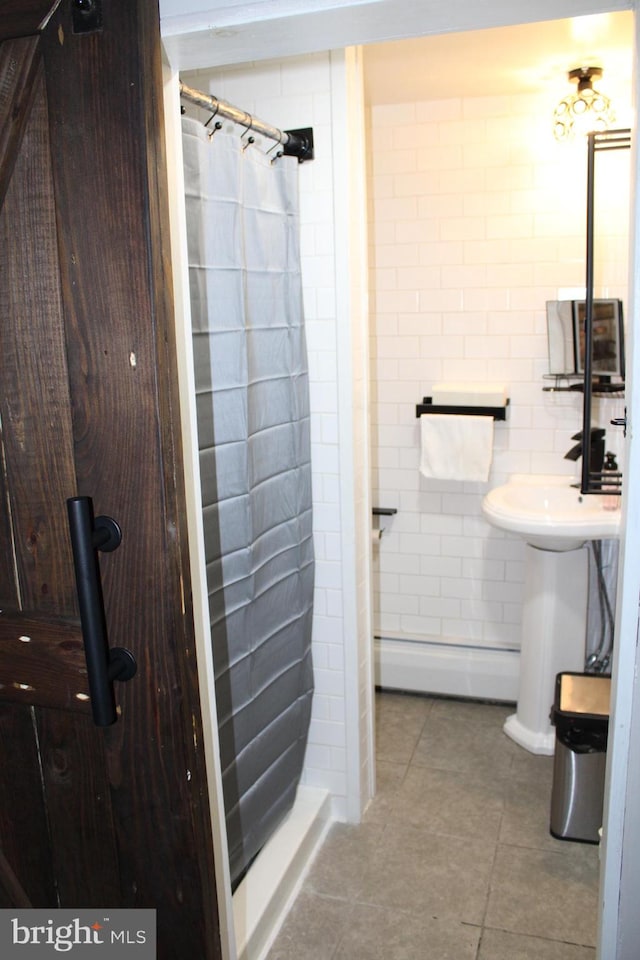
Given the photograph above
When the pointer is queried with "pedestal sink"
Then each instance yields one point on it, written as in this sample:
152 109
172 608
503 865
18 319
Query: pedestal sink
556 521
549 512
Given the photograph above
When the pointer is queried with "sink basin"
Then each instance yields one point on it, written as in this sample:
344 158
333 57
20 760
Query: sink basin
549 513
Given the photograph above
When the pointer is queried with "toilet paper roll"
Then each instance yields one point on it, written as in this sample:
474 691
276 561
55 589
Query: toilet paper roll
376 536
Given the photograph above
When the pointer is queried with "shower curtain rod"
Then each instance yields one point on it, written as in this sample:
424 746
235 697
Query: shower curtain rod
294 143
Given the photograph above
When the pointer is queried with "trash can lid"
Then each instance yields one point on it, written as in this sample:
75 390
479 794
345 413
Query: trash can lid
585 695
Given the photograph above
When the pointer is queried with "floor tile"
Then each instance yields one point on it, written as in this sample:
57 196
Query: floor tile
545 894
407 705
338 868
477 712
441 876
457 837
451 744
451 802
378 934
399 723
498 945
529 767
312 929
389 777
527 810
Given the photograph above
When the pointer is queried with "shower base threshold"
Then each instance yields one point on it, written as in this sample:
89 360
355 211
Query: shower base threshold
264 896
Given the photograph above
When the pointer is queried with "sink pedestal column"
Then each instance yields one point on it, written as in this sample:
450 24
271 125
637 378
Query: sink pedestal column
553 640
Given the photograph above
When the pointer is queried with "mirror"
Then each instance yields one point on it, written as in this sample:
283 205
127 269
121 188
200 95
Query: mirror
566 335
562 352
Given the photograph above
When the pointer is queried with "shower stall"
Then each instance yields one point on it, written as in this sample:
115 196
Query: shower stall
337 775
252 403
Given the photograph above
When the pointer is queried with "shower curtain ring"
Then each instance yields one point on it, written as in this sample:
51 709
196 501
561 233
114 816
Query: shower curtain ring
217 126
275 144
214 114
280 153
248 142
247 123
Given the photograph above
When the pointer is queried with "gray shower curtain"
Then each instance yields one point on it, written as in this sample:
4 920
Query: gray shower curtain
253 436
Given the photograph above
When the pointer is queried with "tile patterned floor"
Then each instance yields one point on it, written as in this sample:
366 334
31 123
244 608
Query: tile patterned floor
454 860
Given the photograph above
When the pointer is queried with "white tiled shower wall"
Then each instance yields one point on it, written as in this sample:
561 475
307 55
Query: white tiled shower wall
477 217
297 93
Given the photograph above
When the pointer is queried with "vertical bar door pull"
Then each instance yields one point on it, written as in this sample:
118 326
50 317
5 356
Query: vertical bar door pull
90 534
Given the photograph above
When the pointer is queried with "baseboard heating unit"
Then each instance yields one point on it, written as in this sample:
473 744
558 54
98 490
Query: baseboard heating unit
447 668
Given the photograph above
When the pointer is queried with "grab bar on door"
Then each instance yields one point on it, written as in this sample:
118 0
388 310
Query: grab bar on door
104 665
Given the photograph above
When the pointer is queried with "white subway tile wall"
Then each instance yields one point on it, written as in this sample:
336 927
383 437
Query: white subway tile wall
477 217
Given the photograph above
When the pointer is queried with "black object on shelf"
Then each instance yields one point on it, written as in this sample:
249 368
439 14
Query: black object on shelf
427 406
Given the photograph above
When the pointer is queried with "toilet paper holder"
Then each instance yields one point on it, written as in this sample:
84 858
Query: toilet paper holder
376 532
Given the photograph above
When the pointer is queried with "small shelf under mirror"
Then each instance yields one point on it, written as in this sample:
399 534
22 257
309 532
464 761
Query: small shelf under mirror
562 383
600 386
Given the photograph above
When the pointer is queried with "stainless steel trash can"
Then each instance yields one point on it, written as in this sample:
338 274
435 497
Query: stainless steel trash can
581 716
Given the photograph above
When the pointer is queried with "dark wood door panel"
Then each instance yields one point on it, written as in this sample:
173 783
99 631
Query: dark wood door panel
8 582
21 18
19 62
42 663
79 808
89 407
35 407
24 828
119 331
12 893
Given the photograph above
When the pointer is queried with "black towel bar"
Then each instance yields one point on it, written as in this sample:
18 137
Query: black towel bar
427 406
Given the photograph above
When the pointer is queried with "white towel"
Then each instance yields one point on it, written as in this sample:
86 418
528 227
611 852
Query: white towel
456 447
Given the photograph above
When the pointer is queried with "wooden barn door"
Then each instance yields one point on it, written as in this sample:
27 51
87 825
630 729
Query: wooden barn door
115 815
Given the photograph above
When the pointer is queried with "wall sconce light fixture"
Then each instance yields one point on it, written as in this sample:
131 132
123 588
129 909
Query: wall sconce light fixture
584 111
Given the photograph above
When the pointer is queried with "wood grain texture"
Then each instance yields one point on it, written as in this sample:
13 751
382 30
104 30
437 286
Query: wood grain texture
8 579
13 58
35 404
14 894
90 408
75 775
24 832
42 663
125 423
21 18
19 62
171 441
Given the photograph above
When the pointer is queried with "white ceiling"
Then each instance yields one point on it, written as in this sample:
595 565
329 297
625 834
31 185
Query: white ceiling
207 33
528 58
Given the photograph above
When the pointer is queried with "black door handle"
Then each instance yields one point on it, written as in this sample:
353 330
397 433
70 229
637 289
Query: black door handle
88 535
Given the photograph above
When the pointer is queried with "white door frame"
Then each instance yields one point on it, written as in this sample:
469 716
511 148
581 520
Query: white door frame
619 927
